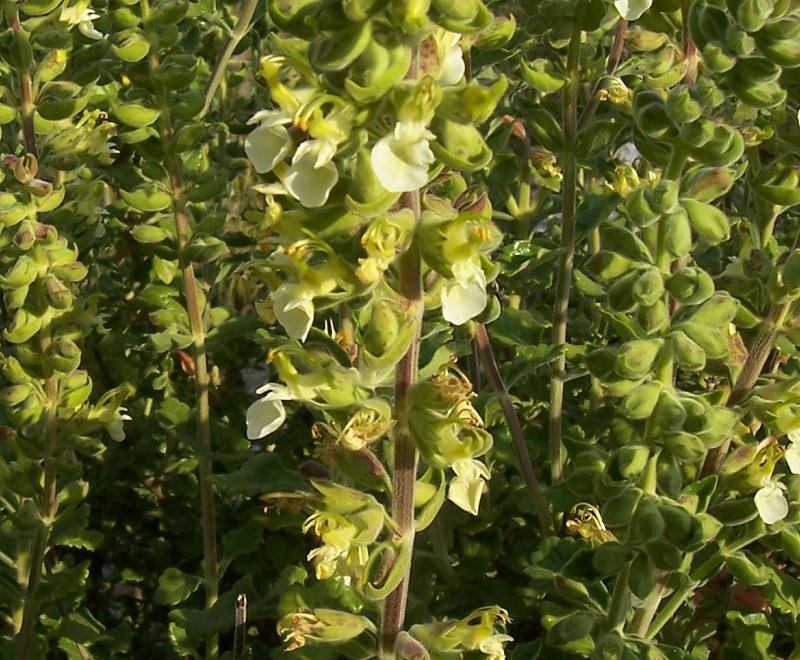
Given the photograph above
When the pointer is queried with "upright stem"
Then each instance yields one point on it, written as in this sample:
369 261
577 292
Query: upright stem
569 193
246 11
689 47
620 598
515 428
47 507
405 452
197 326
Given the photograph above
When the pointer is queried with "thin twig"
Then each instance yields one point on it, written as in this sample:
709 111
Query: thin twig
515 428
569 167
246 12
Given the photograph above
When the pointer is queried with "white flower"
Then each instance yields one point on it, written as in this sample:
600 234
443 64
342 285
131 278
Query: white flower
308 181
401 159
464 297
267 415
81 15
632 10
493 646
771 502
627 153
115 426
466 487
453 67
293 305
792 455
269 144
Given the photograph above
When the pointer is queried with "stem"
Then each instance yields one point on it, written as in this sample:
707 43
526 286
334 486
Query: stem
753 366
611 66
620 598
515 428
240 627
192 301
644 615
246 11
677 159
707 570
27 104
47 507
405 452
564 280
689 47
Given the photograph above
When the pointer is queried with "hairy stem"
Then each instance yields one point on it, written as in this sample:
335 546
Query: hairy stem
246 11
47 507
569 167
405 452
193 303
620 598
515 428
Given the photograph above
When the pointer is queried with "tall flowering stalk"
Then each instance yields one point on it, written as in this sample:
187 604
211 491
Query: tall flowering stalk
366 136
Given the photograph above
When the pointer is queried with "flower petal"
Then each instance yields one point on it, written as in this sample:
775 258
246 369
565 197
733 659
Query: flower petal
88 30
464 297
400 160
266 146
771 502
467 486
632 10
792 457
453 66
294 308
308 184
265 416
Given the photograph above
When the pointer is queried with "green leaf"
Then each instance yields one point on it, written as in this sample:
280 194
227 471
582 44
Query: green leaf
262 473
148 198
135 115
174 587
149 234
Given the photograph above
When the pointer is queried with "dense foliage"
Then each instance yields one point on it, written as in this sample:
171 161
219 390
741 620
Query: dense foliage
400 329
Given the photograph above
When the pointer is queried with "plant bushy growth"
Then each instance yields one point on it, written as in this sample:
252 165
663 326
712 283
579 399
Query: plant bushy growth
400 329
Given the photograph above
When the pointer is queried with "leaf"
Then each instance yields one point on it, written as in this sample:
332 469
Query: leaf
135 115
149 234
514 327
148 198
175 586
132 48
263 473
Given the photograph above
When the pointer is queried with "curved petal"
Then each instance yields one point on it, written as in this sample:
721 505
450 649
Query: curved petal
308 184
464 297
294 308
467 486
400 160
771 503
453 66
792 457
266 146
632 10
265 416
88 30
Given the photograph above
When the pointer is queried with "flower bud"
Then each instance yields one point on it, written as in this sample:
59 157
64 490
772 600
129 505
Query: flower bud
64 355
635 358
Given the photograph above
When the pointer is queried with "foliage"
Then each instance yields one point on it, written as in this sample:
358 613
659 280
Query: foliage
399 329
